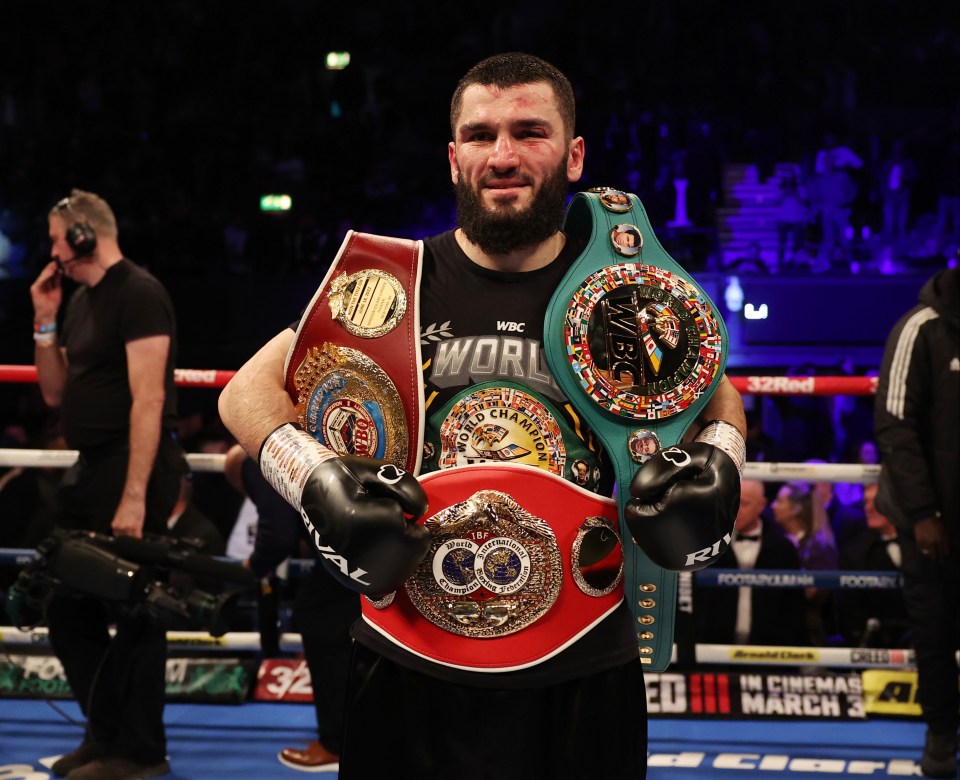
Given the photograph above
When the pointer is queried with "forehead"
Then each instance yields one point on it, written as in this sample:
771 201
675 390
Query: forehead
488 104
56 225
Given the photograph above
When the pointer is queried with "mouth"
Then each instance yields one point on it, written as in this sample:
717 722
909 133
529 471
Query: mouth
504 193
505 186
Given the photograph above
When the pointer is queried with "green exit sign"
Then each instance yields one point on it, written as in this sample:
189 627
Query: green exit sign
275 203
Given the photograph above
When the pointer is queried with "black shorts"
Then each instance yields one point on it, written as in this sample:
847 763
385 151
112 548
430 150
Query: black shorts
404 724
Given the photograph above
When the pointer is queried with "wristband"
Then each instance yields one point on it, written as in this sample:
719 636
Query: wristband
51 328
288 457
726 437
45 339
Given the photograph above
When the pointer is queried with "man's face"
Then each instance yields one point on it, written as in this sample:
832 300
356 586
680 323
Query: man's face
645 445
626 239
62 252
752 503
875 520
510 163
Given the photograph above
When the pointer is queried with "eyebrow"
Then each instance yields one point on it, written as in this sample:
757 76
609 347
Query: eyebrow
469 127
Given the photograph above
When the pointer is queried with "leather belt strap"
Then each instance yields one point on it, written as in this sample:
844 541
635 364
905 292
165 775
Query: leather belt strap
354 370
638 348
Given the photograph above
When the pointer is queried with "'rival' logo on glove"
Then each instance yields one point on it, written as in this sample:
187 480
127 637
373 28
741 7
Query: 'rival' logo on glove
331 555
707 554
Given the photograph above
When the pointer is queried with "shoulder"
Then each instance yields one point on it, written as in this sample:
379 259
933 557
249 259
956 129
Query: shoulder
440 244
135 276
917 319
139 287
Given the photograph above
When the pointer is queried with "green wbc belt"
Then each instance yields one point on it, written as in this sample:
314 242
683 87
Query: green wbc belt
638 348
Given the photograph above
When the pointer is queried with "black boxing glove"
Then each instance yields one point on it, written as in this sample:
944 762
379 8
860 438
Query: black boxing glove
685 499
360 512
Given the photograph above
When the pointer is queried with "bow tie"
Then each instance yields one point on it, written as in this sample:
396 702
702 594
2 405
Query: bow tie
747 538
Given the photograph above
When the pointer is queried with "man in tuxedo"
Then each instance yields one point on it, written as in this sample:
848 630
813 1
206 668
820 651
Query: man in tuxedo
765 616
873 618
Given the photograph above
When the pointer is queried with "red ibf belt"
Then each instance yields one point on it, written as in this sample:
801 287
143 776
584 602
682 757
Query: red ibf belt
353 372
522 564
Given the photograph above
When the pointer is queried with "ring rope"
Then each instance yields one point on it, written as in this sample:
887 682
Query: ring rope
845 579
234 640
750 385
762 472
741 655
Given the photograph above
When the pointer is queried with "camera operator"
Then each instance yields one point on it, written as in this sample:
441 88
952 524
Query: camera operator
110 372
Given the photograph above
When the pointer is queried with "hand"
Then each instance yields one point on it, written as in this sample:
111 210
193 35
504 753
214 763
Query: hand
684 503
361 512
47 294
129 517
932 538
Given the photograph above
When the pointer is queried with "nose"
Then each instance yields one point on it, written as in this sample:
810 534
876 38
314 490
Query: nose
503 156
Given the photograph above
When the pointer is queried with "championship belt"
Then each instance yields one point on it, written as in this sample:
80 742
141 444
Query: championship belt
506 422
522 564
638 348
354 370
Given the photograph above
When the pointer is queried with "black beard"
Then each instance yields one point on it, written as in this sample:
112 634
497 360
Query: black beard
505 230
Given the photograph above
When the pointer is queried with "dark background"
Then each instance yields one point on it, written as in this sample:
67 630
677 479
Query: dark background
182 114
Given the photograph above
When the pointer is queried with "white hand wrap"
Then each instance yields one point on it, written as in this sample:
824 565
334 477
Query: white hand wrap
287 457
727 438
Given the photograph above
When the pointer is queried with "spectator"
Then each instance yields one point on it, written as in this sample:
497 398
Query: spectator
761 616
835 156
832 193
323 612
187 522
897 175
793 509
792 219
873 618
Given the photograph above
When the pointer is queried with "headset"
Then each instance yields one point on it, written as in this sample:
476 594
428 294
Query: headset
80 235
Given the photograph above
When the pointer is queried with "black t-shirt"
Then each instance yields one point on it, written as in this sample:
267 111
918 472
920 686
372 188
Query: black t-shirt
480 326
126 305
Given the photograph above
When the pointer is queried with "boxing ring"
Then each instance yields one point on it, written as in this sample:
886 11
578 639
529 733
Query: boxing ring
720 711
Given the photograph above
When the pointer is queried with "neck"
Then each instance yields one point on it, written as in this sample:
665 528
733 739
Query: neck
102 262
529 259
792 527
751 530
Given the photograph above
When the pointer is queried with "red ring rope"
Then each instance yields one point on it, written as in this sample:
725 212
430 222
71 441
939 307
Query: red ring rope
749 385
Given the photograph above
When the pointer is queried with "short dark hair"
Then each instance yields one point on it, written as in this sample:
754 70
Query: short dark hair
87 207
513 69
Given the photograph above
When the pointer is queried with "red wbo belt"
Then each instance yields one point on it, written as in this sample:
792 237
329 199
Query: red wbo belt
353 371
521 565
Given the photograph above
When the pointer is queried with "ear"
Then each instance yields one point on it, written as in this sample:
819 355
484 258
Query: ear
575 159
454 165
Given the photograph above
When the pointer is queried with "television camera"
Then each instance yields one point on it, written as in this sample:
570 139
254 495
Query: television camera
127 573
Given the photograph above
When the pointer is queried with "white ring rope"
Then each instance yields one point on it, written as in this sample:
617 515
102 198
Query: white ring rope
64 459
740 655
248 641
762 472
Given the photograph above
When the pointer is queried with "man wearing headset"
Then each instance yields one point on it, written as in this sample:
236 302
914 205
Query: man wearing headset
108 367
